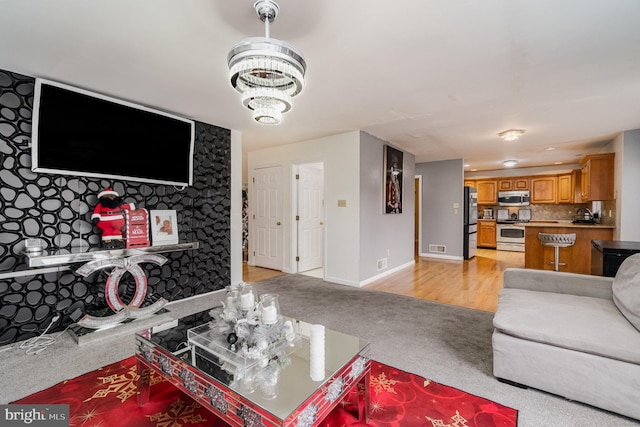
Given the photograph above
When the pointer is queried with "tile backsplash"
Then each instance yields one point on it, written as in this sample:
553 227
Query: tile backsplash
563 212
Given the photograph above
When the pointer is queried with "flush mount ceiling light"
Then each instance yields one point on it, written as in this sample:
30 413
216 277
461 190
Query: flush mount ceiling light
267 72
510 163
511 134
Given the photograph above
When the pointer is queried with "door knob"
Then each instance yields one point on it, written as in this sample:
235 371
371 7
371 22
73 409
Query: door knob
321 223
278 223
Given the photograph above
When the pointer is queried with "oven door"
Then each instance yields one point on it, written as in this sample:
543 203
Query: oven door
510 237
510 233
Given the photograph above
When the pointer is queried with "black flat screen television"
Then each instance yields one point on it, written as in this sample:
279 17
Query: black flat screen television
77 132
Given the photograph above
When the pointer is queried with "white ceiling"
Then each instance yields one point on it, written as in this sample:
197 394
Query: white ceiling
436 78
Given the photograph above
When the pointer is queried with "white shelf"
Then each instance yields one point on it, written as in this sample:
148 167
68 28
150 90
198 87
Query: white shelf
83 255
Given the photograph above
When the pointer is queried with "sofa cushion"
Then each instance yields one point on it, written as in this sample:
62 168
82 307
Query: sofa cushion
626 289
585 324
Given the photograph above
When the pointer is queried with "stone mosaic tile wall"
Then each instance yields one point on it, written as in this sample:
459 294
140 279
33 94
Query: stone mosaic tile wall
57 209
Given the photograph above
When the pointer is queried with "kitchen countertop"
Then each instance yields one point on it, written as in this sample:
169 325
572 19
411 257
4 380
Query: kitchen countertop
565 224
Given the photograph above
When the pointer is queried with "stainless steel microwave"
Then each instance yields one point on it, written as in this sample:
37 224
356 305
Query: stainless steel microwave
513 198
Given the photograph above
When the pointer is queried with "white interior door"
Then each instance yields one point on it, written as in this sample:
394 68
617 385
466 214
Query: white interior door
311 216
267 216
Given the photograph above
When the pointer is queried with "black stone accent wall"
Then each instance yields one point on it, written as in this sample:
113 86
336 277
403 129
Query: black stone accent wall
57 209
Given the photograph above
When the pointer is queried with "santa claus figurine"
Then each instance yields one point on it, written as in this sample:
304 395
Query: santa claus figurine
108 215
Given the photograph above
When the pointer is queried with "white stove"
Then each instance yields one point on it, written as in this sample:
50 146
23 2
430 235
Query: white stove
510 236
510 230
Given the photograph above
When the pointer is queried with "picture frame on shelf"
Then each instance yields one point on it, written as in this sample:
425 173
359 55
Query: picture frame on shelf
164 227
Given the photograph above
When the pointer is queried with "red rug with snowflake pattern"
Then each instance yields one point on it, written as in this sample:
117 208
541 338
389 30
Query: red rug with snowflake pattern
108 397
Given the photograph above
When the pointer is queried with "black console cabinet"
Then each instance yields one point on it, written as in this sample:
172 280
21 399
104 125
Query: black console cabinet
608 255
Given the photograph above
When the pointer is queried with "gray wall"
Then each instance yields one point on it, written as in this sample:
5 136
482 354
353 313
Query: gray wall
442 186
383 235
628 189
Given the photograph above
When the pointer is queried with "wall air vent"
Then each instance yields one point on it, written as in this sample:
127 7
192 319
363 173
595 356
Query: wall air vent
382 264
441 249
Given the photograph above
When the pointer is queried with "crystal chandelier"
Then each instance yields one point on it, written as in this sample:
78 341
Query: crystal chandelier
267 72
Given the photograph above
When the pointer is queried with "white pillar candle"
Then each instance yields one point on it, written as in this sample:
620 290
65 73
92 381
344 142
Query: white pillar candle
269 315
231 302
317 353
246 301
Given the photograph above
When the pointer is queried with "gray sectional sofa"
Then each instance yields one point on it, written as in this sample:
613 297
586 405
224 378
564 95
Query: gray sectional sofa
574 335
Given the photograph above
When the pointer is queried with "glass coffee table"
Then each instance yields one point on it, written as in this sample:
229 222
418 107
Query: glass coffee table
297 401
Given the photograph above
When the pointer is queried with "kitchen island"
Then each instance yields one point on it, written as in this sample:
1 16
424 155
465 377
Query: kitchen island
577 257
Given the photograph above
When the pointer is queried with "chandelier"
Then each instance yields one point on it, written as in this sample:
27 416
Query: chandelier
267 72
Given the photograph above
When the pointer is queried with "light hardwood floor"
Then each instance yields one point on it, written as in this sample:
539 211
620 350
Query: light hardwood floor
473 283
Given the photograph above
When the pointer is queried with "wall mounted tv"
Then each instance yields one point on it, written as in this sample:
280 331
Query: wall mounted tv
77 132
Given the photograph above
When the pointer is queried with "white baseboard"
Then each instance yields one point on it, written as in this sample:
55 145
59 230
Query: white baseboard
339 281
430 255
387 273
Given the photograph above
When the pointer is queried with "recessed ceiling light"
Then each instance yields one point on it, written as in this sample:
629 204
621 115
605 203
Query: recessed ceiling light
511 134
473 170
466 166
557 163
510 163
549 148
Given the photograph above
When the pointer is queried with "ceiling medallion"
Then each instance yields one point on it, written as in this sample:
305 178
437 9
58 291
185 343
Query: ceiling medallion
267 72
511 134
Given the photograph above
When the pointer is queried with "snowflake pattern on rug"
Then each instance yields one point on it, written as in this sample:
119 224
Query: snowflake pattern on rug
457 421
382 383
179 414
124 385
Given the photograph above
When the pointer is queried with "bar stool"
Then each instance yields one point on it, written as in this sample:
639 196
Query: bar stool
557 241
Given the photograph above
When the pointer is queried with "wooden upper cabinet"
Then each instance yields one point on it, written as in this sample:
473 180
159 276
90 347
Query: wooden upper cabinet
505 184
521 183
487 191
597 177
565 188
470 183
510 184
544 189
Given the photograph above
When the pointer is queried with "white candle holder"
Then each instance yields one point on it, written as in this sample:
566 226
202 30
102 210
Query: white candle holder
269 309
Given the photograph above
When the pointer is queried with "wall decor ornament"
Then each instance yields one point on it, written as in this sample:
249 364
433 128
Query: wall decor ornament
393 180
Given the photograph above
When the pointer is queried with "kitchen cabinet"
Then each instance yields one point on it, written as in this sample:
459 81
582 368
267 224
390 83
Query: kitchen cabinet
544 189
487 191
510 184
597 177
565 188
486 234
521 183
470 183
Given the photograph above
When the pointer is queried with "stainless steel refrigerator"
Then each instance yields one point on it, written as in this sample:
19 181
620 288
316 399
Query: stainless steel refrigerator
470 232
